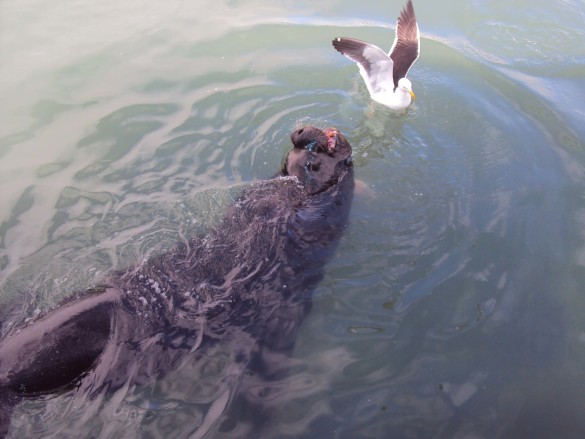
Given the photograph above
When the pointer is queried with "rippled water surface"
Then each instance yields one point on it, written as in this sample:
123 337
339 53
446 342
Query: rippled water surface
455 304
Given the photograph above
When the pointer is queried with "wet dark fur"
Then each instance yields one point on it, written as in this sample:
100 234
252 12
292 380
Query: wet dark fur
247 281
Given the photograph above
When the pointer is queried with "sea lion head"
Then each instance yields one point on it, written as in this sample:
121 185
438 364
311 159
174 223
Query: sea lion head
319 157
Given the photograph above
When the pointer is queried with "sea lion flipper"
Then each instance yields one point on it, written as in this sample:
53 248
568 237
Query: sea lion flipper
57 349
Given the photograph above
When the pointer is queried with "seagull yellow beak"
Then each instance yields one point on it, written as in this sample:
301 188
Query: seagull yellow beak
412 94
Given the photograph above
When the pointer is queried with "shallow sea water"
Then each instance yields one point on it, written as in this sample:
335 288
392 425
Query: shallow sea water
455 304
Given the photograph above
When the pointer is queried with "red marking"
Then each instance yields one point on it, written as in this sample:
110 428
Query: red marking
331 139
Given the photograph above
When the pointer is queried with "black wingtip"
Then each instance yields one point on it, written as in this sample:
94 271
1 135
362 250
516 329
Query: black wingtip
407 13
336 42
344 45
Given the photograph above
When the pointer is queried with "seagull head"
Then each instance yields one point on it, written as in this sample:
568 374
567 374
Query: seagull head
405 85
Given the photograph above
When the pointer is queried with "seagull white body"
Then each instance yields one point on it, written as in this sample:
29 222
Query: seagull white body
385 74
396 99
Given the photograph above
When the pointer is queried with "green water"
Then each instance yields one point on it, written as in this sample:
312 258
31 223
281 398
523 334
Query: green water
455 305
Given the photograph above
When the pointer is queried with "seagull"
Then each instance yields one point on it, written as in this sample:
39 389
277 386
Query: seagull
385 75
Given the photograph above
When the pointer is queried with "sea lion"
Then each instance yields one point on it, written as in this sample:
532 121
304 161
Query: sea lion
248 283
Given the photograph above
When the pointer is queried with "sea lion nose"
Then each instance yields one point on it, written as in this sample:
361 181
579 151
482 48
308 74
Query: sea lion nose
305 136
297 138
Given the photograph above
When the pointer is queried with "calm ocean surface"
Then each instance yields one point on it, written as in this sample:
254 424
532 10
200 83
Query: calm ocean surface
455 304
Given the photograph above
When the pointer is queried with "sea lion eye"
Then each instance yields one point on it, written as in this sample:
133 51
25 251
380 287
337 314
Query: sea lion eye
312 166
311 146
